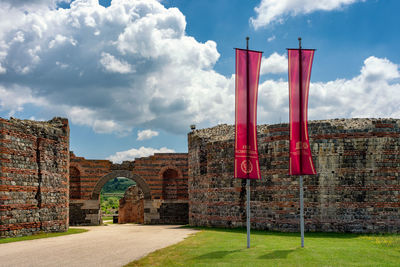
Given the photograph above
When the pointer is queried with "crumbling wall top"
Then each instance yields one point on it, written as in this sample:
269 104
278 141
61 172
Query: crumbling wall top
225 132
55 126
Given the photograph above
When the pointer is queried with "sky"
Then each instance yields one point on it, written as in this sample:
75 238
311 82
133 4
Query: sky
133 75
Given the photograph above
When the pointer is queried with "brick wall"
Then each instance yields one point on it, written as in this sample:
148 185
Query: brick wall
357 188
163 177
34 176
131 206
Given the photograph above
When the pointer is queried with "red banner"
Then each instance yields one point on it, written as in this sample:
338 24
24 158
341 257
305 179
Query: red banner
300 62
246 152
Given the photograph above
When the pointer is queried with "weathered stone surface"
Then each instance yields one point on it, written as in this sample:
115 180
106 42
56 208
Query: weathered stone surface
34 174
356 189
162 178
131 206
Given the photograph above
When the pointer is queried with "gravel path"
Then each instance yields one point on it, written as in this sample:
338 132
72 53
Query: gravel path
111 245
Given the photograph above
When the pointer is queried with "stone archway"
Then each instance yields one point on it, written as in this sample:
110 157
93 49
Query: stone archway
121 173
149 210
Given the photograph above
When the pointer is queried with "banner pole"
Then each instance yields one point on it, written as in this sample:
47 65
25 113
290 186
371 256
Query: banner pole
301 212
301 147
247 149
248 211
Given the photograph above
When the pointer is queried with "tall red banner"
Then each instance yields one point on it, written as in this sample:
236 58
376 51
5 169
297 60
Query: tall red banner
246 152
300 62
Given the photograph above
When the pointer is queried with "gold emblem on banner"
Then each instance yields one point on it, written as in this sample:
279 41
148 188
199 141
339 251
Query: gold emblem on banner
246 166
301 145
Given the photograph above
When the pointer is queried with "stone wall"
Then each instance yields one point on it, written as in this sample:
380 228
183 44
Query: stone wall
162 177
357 188
34 174
131 206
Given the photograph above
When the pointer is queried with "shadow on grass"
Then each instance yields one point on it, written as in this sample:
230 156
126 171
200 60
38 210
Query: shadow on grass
216 254
277 254
273 233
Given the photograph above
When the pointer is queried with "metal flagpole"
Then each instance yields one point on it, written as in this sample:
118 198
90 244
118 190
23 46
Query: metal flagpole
248 119
301 149
248 212
301 212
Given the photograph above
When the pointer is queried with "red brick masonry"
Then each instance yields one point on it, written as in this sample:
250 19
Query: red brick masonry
357 188
34 175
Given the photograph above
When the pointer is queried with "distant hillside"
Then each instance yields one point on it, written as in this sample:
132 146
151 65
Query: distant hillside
112 191
117 185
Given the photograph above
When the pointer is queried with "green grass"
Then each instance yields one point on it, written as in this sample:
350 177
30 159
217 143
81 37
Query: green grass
227 247
42 235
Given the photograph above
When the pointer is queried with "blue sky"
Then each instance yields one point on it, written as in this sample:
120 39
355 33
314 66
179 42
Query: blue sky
132 75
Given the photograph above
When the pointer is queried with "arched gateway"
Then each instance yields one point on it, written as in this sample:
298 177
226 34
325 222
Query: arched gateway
148 213
163 179
121 173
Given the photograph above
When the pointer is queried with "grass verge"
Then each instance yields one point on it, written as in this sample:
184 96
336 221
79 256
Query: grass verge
42 235
227 247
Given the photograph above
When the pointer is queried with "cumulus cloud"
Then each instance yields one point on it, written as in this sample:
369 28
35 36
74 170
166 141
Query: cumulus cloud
270 11
275 63
111 64
13 98
128 65
372 93
146 134
137 153
133 65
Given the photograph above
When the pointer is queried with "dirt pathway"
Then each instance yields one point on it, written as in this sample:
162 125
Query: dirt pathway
111 245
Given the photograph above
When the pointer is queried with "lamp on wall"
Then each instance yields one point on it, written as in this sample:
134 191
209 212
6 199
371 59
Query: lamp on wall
193 127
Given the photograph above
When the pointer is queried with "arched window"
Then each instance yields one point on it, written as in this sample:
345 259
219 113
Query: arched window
74 183
170 187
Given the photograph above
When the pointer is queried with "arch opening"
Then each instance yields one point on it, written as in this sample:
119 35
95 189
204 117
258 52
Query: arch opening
121 173
135 208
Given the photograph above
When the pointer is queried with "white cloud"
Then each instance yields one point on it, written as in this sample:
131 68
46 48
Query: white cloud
270 11
33 4
137 153
60 39
275 63
146 134
86 116
111 64
373 93
74 59
168 80
14 97
270 39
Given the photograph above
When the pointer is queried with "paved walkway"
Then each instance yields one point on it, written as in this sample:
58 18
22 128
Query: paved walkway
111 245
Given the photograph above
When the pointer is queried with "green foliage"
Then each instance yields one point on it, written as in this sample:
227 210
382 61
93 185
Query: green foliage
117 185
227 247
42 235
109 204
111 192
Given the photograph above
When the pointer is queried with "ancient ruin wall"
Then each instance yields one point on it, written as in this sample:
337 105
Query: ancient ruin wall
167 176
164 176
131 206
34 173
357 188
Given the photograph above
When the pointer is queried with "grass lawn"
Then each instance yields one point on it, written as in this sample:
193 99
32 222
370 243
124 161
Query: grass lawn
227 247
42 235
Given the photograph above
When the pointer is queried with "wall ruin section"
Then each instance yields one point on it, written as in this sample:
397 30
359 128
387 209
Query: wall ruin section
357 188
131 206
34 176
147 172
